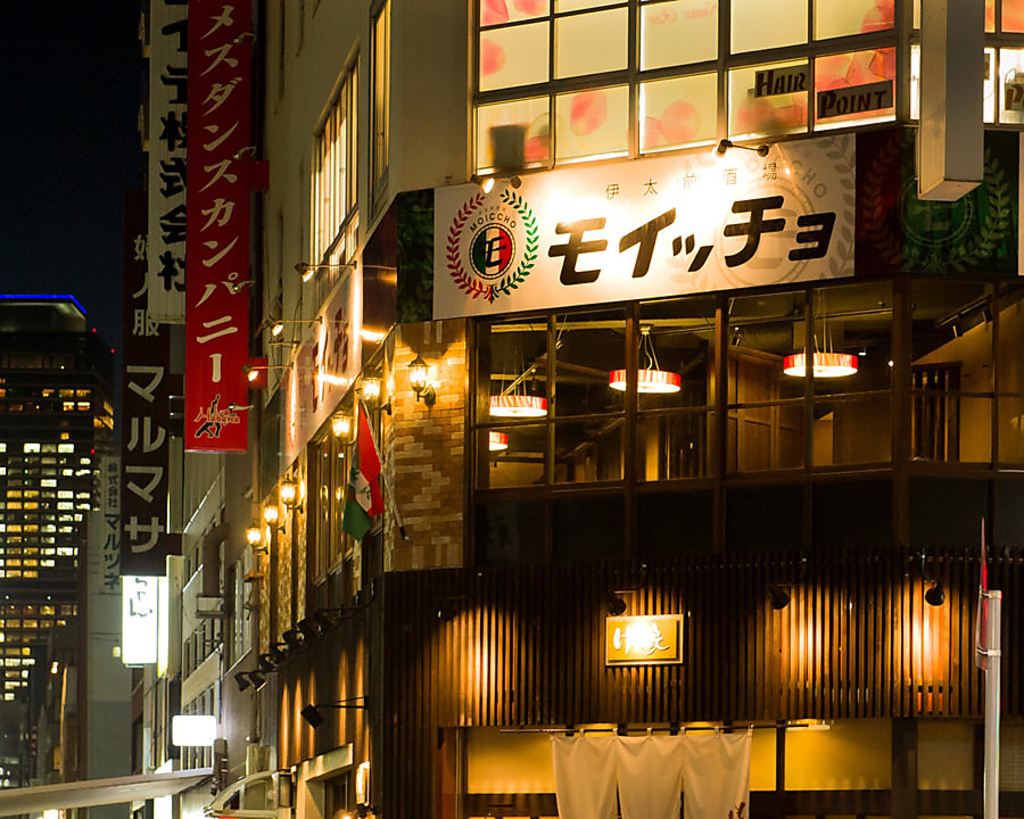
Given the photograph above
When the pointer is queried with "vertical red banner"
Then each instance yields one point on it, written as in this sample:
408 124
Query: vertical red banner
217 225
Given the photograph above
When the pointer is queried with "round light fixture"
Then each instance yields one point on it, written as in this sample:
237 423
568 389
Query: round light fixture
341 426
253 535
288 493
649 382
825 365
497 441
518 406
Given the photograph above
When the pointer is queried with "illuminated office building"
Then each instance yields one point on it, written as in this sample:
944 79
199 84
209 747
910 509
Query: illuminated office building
56 415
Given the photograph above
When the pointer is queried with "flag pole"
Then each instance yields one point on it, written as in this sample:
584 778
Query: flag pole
993 657
988 656
389 495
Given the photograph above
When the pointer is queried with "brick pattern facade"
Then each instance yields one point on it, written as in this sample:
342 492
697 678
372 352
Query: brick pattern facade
424 449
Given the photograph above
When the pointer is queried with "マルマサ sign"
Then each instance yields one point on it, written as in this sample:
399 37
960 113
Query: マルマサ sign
145 425
651 640
655 227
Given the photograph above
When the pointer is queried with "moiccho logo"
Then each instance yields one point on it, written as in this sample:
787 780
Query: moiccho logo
492 245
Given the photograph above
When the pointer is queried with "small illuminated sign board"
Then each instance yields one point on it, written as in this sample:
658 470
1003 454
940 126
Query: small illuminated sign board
654 640
140 614
191 730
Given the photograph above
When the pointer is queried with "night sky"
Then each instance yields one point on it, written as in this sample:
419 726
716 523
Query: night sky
70 87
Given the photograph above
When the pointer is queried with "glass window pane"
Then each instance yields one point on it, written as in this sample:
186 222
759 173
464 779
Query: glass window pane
768 100
855 87
1013 16
588 528
678 32
990 15
1010 376
1009 514
579 5
945 512
513 373
853 329
838 18
587 347
513 56
657 523
854 430
835 529
511 456
530 119
672 446
496 12
678 112
588 451
951 371
989 109
764 518
1011 83
592 124
510 532
591 43
763 330
757 24
679 339
765 424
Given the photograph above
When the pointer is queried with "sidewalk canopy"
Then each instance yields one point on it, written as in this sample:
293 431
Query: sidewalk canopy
91 792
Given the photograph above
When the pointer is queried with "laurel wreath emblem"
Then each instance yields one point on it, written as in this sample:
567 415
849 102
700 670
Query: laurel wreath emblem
466 282
883 234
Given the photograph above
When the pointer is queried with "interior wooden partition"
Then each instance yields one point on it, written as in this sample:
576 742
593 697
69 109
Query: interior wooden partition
523 646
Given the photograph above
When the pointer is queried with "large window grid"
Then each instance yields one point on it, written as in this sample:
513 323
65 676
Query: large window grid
563 80
559 81
937 391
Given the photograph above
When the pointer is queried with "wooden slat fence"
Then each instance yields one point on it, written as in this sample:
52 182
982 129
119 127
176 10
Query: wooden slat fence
525 648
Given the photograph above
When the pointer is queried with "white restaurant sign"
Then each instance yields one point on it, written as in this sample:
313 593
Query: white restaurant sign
648 228
140 618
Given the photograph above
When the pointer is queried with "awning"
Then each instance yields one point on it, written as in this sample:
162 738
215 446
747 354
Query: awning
91 792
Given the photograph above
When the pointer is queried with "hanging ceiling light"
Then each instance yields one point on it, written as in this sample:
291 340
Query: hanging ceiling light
518 406
825 365
514 402
650 379
497 441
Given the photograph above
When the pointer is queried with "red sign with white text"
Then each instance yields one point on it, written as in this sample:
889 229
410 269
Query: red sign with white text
217 225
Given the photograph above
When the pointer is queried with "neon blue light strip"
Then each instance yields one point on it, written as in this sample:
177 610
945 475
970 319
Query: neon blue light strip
18 297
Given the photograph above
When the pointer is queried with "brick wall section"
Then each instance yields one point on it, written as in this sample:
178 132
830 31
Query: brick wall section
425 450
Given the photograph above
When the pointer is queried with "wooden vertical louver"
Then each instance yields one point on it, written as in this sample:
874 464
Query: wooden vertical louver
522 646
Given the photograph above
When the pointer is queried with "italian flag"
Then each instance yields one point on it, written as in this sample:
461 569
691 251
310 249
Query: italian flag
363 501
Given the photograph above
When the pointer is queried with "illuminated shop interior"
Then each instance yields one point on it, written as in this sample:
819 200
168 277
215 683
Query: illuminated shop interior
917 378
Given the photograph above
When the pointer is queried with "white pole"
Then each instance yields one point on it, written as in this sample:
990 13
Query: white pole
993 655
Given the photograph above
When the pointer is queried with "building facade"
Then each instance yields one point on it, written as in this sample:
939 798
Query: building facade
644 314
56 388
